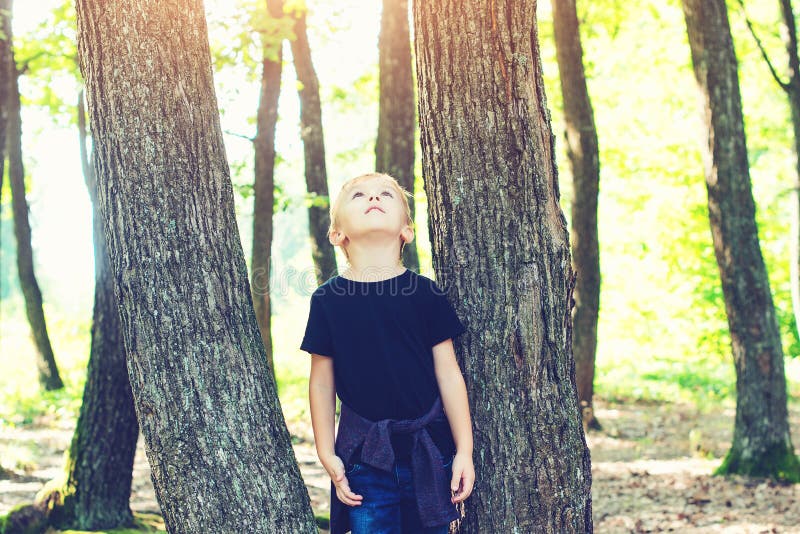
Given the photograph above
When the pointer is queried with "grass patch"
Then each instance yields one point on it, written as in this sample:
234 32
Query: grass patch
662 379
22 400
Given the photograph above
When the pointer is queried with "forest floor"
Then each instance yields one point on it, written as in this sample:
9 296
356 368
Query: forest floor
651 468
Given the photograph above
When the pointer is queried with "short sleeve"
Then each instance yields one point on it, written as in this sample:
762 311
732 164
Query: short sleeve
443 322
317 338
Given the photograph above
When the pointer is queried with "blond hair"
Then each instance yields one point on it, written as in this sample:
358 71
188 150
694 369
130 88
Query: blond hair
352 182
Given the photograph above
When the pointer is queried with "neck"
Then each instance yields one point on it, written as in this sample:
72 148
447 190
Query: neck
374 262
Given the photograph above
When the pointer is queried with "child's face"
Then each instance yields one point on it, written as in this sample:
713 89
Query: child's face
372 206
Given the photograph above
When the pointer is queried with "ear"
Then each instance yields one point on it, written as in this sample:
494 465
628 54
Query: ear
337 238
407 234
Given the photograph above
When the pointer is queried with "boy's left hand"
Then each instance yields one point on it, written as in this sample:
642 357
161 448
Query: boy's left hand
463 477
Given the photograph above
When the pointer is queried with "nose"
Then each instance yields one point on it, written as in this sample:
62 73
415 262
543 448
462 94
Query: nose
376 197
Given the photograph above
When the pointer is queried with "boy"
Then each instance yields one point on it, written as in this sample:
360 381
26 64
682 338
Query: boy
380 337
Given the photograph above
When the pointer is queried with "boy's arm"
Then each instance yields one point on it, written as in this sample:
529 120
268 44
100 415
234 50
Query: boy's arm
454 395
322 400
453 391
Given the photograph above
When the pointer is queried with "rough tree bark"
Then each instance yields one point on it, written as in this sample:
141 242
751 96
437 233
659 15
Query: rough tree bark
206 402
394 147
584 158
99 470
761 442
501 250
264 181
49 377
319 220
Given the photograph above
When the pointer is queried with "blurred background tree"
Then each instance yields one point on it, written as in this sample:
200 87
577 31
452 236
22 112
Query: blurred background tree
762 444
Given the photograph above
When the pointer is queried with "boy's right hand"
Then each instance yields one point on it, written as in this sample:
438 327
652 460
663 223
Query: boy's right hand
335 468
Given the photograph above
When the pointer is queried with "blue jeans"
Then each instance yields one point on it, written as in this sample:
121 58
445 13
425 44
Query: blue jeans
388 505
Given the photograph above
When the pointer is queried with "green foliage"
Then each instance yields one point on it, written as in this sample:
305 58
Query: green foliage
22 409
48 54
246 35
319 201
362 92
639 376
243 185
22 401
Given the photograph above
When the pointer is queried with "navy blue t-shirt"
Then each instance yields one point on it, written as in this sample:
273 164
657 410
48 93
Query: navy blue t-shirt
380 336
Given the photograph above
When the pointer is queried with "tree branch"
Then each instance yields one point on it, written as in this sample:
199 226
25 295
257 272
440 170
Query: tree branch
784 85
229 132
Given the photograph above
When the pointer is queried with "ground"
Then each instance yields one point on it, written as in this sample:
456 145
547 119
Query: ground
651 470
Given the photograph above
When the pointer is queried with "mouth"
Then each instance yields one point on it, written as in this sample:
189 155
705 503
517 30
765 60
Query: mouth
375 208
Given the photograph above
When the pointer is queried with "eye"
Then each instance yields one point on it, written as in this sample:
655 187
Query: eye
356 194
387 193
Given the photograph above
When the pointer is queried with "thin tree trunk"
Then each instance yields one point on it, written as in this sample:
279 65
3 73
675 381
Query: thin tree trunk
322 251
501 250
761 442
793 92
5 76
100 459
217 444
584 158
394 147
49 377
264 183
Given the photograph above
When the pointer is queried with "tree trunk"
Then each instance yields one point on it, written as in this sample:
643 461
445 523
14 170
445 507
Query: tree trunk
5 75
264 182
217 444
319 220
584 158
761 442
793 92
100 462
49 377
394 147
501 250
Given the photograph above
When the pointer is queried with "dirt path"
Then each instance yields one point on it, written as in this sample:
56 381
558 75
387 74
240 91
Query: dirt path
651 474
649 468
